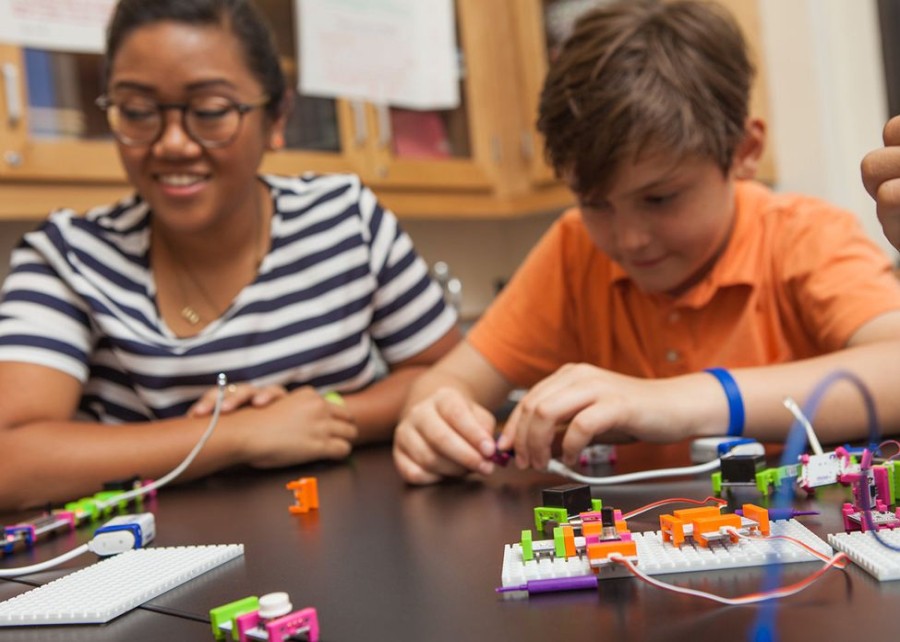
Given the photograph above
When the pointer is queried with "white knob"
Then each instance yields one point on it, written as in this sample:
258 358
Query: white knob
272 605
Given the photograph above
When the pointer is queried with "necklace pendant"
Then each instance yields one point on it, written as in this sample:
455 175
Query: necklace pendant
190 315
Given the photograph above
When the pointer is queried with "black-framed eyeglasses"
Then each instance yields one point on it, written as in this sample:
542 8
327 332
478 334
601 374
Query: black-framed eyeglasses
212 121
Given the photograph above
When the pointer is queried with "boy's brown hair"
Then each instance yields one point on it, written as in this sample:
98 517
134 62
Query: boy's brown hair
637 77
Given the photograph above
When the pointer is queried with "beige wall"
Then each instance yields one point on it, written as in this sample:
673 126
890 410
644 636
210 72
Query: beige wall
479 253
10 233
827 97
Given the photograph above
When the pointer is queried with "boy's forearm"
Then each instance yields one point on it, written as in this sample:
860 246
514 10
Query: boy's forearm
432 381
377 409
842 414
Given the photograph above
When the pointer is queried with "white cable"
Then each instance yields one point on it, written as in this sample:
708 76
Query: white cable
556 466
221 382
791 405
735 601
43 566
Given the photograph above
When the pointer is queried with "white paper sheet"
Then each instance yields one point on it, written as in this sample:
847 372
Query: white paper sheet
63 25
397 52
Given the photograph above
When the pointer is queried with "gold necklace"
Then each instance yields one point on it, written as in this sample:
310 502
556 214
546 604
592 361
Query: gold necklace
188 312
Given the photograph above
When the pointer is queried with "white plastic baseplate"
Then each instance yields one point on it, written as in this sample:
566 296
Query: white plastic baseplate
656 557
880 561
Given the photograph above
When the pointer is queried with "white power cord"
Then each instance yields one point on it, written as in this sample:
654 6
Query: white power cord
43 566
221 383
120 534
128 531
791 405
556 466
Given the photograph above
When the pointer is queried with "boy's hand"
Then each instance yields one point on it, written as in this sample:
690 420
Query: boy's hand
881 176
236 395
595 404
444 435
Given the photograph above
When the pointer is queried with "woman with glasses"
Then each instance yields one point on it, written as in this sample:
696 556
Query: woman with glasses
114 324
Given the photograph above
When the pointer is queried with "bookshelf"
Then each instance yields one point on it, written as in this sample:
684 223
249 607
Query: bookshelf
480 160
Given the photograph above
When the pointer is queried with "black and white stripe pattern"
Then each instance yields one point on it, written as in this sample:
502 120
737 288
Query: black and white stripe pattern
341 291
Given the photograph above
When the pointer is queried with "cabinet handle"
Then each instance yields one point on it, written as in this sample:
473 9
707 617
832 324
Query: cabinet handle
385 132
360 131
12 93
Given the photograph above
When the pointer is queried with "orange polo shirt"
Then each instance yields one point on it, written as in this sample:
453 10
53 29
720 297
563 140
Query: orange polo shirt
797 279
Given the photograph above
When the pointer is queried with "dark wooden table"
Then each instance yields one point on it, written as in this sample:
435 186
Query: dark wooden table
383 561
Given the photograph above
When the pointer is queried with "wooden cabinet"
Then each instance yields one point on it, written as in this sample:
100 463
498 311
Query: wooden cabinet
482 159
541 25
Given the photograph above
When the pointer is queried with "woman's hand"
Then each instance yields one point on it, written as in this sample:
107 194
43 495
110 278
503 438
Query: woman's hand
297 427
236 396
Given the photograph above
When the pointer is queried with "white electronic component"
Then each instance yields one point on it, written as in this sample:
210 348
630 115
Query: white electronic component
274 605
820 470
655 557
122 533
710 448
881 562
110 587
597 454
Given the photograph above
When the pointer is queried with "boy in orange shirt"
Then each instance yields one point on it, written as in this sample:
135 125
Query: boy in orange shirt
674 267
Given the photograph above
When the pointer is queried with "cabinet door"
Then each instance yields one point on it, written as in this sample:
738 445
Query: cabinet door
448 149
542 25
323 134
50 126
51 132
535 42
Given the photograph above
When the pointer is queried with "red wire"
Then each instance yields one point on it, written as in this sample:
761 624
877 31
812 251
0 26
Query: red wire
673 500
784 591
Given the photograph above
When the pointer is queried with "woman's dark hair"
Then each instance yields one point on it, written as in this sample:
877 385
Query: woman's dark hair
241 17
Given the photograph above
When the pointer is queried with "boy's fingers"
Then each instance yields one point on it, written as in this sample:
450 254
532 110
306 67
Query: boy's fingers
458 414
508 435
891 132
438 451
412 472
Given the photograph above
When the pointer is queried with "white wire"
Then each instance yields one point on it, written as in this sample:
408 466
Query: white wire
751 599
221 382
43 566
556 466
791 405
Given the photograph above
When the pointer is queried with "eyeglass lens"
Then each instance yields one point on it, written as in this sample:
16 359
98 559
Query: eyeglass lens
208 119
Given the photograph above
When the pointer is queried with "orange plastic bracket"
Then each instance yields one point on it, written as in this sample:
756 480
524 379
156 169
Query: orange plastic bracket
306 494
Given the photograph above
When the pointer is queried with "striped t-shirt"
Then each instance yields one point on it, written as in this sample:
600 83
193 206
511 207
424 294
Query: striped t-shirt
340 292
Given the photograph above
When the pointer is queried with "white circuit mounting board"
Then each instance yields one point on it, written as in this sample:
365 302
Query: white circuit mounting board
881 562
656 557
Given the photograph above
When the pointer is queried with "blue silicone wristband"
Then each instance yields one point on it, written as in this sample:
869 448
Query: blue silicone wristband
735 402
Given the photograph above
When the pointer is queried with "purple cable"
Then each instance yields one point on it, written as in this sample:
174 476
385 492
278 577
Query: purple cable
783 513
577 583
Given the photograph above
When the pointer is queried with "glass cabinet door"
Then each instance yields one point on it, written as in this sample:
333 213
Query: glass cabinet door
52 129
61 89
49 126
542 26
313 123
437 148
55 147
